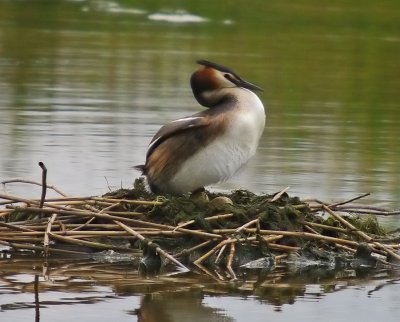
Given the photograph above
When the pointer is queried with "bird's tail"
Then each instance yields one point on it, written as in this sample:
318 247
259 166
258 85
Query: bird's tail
140 167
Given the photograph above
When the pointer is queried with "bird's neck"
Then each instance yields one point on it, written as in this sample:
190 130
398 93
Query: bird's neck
240 98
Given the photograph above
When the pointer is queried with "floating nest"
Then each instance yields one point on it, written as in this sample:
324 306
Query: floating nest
219 234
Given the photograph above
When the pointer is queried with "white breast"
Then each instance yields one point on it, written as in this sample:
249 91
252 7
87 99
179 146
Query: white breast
228 153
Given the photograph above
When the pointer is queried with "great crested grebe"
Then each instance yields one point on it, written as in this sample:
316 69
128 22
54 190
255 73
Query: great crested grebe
210 146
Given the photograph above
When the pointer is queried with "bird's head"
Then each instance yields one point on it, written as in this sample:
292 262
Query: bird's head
213 83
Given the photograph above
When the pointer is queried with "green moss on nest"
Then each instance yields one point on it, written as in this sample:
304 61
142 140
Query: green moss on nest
246 206
368 224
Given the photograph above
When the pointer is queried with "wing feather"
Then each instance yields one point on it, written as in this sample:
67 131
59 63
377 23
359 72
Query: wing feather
175 127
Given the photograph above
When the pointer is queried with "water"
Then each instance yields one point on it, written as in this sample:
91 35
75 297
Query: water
65 290
85 85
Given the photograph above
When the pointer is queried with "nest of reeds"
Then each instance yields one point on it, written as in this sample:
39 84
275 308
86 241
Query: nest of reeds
219 234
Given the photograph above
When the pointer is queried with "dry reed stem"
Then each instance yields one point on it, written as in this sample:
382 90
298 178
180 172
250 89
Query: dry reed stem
351 250
84 224
135 202
86 243
46 234
369 211
326 227
50 205
230 261
361 234
21 238
216 217
44 183
346 207
72 227
254 221
4 213
126 213
220 252
280 257
273 238
210 252
122 219
106 209
158 248
189 250
312 230
304 235
39 248
217 278
284 248
103 233
349 200
279 194
15 227
17 180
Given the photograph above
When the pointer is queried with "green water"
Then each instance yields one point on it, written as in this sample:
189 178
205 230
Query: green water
74 70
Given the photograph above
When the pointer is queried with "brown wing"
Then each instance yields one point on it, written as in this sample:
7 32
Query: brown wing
176 142
173 130
176 127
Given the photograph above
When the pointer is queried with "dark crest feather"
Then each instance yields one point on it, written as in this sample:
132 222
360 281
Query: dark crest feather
219 67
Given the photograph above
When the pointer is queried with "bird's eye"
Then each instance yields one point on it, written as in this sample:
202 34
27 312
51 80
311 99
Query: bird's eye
230 78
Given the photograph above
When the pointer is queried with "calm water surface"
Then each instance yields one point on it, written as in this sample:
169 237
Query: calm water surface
88 291
85 84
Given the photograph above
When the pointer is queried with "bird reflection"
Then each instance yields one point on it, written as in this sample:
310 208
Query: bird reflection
180 307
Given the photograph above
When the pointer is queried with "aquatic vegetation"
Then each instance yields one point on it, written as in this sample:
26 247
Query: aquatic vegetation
223 235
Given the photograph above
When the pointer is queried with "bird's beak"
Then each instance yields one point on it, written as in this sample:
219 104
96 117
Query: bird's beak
248 85
238 81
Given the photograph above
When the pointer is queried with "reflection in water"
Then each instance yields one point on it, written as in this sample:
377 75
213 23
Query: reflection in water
31 284
37 302
177 307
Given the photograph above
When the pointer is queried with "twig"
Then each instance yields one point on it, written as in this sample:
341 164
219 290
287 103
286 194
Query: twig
209 273
122 219
210 252
44 185
254 221
363 235
46 234
158 249
326 227
37 302
86 243
337 245
305 235
350 200
220 252
368 211
279 194
230 261
33 182
15 227
283 247
135 202
278 258
217 217
33 247
189 250
84 224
